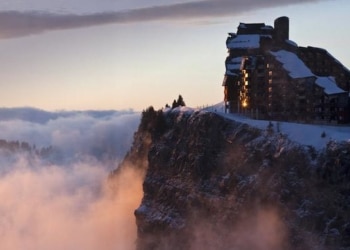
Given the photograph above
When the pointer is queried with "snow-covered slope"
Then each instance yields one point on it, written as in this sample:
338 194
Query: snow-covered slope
307 134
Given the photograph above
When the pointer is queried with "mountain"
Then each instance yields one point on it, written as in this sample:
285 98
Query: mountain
213 182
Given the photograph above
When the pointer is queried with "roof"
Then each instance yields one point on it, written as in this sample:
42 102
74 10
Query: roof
291 43
297 69
292 63
253 28
234 63
324 52
329 85
267 27
244 42
233 66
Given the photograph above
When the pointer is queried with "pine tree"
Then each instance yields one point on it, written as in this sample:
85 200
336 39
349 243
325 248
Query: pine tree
180 101
174 105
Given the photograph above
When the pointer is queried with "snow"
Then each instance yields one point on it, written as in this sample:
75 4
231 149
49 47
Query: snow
267 27
329 85
233 65
230 73
182 109
292 43
304 134
292 63
242 25
297 69
244 41
236 61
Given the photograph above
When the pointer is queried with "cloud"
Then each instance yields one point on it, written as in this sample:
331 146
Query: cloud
71 205
67 208
103 135
16 24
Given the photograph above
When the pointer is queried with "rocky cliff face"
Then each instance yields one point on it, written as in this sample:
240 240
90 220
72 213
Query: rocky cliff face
212 183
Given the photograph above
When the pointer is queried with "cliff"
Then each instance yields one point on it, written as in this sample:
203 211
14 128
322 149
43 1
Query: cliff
213 183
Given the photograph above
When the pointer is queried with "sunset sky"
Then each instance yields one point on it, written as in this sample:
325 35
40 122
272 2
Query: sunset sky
128 54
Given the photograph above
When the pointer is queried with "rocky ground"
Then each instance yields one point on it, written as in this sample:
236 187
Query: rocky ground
212 183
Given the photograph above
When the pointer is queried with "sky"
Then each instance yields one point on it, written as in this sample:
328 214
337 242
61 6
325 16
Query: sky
128 54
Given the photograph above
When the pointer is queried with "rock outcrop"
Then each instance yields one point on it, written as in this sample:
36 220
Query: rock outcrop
212 183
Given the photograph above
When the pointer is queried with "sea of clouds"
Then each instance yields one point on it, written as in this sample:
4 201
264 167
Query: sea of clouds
68 202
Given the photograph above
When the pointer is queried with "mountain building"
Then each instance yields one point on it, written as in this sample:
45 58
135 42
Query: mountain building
269 76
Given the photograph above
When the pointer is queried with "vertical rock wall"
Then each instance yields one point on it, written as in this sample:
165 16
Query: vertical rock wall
212 183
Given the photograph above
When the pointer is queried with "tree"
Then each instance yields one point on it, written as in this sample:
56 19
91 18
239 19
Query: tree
180 101
174 105
153 121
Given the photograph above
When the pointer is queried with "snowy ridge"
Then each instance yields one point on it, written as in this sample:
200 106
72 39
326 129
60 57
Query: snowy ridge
314 135
306 134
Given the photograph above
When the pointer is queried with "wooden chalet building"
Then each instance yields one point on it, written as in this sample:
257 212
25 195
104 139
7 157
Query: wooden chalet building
269 77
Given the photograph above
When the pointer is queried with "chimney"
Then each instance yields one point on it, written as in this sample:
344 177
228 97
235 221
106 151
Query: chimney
281 29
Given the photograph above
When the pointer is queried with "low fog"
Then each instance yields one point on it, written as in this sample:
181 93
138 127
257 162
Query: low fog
101 135
45 205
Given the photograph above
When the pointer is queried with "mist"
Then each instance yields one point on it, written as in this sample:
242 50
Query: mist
75 205
101 135
262 229
56 208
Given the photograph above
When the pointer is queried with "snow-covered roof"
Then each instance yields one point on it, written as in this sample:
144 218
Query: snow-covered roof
233 65
244 41
329 85
267 27
268 36
297 69
292 63
292 43
230 73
